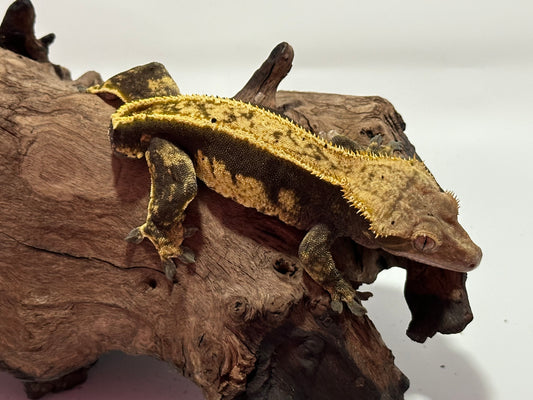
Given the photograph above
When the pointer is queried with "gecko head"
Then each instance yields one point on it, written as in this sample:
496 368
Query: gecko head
409 215
430 233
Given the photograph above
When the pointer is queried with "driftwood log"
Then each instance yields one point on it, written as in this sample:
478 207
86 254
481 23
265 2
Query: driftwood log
244 321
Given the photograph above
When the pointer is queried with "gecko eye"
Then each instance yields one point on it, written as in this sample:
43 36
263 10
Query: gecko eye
424 244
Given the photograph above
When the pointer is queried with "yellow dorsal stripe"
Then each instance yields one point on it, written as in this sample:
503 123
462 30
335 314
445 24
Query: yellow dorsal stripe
274 134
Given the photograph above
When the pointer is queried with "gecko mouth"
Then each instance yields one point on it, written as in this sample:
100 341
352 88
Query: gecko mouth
457 264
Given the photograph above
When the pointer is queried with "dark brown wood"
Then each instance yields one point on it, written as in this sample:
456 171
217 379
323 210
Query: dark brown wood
243 321
17 34
263 85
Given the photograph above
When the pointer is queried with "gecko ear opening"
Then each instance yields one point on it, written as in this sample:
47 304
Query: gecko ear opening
425 244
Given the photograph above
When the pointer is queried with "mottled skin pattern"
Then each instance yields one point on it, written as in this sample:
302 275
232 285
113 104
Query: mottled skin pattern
264 161
137 83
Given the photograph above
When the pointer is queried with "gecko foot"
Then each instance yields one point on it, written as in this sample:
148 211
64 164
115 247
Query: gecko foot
135 236
344 293
340 140
376 146
354 306
376 141
356 309
166 244
315 254
187 255
170 268
336 305
189 231
395 146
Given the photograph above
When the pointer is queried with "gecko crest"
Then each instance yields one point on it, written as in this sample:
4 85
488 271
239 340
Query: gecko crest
288 142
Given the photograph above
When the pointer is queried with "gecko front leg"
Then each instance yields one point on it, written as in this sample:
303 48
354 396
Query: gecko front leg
173 187
315 254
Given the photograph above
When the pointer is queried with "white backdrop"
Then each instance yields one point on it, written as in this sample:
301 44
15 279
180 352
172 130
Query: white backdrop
459 72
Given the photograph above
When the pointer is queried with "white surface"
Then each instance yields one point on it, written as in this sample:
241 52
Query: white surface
459 72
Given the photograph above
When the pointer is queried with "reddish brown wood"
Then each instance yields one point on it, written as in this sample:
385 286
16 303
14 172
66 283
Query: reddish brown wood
71 288
244 321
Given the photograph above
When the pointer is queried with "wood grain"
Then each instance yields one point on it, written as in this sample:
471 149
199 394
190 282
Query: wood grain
243 322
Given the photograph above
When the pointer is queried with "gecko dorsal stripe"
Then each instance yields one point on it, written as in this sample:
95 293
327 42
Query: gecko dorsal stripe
364 178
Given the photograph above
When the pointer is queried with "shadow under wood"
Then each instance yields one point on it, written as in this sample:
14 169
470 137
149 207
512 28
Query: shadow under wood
290 358
438 370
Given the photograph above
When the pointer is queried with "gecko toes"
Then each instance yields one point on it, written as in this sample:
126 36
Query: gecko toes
395 146
353 305
135 236
189 231
376 140
187 256
356 309
336 305
169 268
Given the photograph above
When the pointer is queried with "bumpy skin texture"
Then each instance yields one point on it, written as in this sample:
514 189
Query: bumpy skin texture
173 188
262 160
149 80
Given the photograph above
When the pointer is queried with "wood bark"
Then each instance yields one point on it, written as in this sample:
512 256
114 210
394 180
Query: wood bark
244 321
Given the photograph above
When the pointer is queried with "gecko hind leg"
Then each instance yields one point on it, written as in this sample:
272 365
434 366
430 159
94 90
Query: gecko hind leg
315 254
375 146
173 187
342 141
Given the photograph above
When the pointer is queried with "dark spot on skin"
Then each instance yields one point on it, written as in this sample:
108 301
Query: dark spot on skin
213 120
249 115
203 109
392 222
382 177
230 118
314 151
277 134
